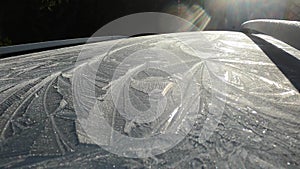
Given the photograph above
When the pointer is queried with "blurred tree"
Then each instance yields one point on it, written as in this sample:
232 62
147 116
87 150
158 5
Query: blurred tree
43 20
5 41
50 4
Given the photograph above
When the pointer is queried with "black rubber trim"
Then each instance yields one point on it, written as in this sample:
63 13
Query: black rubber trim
8 51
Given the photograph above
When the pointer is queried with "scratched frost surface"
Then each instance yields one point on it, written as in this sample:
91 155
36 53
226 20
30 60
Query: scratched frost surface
259 127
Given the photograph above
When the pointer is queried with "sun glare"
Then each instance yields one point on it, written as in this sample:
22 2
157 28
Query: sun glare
195 14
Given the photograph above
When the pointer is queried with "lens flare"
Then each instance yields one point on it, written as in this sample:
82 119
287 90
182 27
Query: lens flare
194 14
230 14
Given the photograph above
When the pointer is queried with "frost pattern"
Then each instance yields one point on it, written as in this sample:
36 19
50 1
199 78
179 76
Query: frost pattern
258 129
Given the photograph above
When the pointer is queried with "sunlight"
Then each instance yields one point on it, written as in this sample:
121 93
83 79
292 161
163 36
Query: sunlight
229 14
195 14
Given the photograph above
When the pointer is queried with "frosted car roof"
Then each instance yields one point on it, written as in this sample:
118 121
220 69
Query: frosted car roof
244 102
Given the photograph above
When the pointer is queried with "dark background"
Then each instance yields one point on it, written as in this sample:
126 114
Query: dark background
26 21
